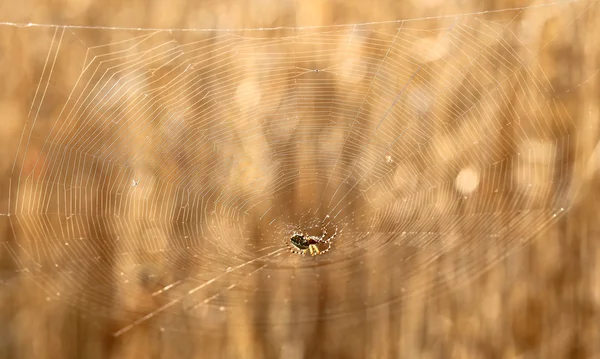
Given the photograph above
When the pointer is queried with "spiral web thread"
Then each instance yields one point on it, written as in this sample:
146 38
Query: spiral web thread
167 172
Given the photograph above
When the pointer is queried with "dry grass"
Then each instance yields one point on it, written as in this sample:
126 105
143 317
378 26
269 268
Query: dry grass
453 272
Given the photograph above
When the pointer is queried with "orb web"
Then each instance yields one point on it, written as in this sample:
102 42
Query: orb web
160 173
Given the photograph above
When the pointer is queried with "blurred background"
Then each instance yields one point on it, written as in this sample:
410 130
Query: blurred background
158 156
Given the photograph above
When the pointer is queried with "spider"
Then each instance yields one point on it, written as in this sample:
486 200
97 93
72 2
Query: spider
302 242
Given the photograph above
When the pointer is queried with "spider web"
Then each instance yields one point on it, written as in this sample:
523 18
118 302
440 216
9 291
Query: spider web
162 179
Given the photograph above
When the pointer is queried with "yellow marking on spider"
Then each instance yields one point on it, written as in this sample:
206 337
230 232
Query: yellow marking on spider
313 249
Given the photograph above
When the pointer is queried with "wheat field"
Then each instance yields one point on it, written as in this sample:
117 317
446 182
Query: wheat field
157 157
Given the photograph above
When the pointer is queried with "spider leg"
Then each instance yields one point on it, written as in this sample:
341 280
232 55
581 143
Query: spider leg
326 249
328 241
324 234
333 236
294 250
298 252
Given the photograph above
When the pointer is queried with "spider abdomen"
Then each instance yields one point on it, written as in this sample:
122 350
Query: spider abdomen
300 242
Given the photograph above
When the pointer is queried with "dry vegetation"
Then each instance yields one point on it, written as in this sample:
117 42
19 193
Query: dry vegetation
476 267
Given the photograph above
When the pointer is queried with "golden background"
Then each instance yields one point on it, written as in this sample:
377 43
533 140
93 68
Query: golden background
156 156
